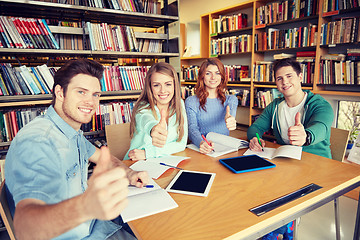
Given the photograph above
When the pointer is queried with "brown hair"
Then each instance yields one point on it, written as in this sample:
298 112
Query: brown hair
200 88
72 68
146 97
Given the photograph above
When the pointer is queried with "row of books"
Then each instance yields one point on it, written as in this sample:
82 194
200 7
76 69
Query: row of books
109 114
344 30
264 98
187 91
18 32
333 5
263 70
237 73
117 78
243 96
144 6
26 80
228 23
190 72
107 37
12 121
286 38
340 69
233 44
285 10
71 42
150 45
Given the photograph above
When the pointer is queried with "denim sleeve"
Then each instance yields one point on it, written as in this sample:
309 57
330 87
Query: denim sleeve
33 170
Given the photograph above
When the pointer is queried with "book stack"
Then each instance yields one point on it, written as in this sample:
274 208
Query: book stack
340 68
17 32
264 98
109 114
107 37
12 121
190 73
229 45
285 10
333 5
144 6
117 78
237 73
243 96
344 30
228 23
307 64
26 80
286 38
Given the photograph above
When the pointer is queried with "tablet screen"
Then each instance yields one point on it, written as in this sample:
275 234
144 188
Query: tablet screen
246 163
191 182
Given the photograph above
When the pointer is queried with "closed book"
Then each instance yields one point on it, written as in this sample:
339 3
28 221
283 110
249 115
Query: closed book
7 80
22 83
4 90
29 79
47 32
47 76
13 80
40 80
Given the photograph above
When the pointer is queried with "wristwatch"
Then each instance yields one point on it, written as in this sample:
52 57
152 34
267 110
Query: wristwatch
308 139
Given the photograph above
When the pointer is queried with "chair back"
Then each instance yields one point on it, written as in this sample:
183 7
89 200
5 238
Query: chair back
5 212
118 139
338 143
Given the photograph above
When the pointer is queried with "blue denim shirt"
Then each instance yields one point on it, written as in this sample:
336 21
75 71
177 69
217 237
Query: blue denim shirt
48 160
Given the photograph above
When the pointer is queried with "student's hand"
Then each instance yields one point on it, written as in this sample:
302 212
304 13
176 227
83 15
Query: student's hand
205 148
105 197
255 146
159 132
296 133
138 178
137 154
230 120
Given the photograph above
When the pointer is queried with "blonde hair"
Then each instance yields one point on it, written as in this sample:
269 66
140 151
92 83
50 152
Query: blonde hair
146 99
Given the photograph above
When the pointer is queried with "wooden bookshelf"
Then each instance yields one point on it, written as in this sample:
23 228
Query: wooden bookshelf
253 56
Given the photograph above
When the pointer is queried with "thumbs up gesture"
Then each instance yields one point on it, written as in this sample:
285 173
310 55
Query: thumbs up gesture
105 197
159 132
229 120
296 133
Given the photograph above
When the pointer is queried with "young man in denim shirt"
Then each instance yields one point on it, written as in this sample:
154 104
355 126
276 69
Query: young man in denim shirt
46 167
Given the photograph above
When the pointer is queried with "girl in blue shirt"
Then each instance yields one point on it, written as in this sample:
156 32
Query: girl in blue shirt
158 123
210 110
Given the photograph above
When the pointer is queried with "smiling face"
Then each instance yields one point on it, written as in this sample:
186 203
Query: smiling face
288 82
162 87
81 100
212 78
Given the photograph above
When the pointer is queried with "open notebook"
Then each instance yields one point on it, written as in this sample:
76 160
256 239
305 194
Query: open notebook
222 144
147 201
289 151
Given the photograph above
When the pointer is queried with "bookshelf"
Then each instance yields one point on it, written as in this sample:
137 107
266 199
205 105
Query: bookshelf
260 22
155 26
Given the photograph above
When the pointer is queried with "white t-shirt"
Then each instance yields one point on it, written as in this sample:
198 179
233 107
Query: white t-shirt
287 117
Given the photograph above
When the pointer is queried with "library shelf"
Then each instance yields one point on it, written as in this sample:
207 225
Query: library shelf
309 48
233 32
303 19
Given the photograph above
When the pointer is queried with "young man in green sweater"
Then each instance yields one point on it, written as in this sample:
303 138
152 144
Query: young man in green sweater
299 118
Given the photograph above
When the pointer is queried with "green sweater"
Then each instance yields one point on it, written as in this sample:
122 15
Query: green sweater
145 121
317 120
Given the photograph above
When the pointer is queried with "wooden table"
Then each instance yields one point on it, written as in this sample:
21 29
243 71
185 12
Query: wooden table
224 213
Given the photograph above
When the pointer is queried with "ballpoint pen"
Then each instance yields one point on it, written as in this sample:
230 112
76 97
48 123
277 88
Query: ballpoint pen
257 135
146 186
167 165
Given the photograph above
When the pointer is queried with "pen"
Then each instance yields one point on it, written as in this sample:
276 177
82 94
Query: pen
257 135
146 186
207 141
164 164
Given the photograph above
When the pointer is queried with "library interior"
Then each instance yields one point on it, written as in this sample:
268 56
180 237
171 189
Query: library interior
127 37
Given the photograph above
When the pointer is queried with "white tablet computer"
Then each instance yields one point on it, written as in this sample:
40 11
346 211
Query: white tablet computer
191 182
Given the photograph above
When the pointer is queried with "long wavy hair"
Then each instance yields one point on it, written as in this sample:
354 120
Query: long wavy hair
147 100
200 88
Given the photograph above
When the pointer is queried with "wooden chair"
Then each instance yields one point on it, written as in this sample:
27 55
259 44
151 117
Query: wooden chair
5 212
118 139
338 143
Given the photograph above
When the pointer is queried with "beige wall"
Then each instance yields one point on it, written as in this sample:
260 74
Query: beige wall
191 10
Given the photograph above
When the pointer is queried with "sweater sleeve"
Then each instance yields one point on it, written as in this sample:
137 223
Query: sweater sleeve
192 109
319 124
232 102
